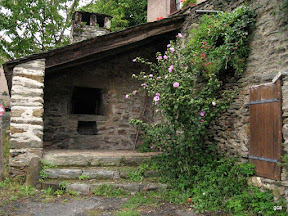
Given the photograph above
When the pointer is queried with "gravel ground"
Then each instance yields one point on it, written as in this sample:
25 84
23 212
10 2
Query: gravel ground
86 206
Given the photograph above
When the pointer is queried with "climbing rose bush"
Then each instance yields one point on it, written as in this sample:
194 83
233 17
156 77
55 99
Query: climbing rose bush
186 86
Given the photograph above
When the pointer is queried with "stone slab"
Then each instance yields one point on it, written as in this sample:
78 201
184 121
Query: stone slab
63 173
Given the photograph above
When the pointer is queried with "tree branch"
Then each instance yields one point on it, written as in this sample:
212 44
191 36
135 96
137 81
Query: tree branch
69 14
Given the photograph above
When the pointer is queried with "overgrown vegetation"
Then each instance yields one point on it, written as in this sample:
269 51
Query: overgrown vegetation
126 13
282 10
45 165
6 149
138 174
186 84
109 191
13 190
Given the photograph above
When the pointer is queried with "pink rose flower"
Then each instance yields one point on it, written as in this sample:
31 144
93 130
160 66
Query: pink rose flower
156 98
176 85
171 68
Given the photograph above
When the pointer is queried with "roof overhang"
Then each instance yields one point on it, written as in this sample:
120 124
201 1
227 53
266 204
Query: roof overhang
78 53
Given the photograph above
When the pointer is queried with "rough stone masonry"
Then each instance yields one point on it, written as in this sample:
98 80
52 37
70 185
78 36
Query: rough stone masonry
26 115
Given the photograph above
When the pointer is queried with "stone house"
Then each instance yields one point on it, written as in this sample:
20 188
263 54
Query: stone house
73 97
52 106
164 8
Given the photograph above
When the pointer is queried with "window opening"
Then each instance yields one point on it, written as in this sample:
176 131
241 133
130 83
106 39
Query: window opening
86 101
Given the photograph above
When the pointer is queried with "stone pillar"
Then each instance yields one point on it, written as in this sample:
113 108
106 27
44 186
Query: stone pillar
27 111
107 23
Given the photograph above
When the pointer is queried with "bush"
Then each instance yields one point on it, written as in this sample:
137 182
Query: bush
186 84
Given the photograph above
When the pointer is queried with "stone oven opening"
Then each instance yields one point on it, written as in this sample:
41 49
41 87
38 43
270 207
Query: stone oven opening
86 101
87 128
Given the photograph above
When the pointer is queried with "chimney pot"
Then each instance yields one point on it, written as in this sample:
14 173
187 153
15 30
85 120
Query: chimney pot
87 25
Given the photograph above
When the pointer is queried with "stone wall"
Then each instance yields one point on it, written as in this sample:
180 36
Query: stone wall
157 9
269 52
87 32
113 76
26 124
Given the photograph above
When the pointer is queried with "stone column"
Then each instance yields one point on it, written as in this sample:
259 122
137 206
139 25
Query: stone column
27 110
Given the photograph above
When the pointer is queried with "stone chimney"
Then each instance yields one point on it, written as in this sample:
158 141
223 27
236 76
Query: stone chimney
87 25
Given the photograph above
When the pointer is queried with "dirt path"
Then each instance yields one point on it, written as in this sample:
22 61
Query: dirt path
88 206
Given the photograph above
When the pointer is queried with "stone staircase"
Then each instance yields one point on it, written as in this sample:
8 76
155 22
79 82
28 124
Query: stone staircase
82 171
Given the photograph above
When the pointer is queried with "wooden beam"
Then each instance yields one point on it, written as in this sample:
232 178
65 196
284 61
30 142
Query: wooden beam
112 52
109 42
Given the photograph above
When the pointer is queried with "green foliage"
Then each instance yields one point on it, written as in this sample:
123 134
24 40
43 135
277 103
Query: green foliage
217 181
84 177
284 160
187 86
247 169
62 186
138 175
48 191
5 140
109 191
32 26
128 213
46 165
26 191
59 192
282 11
125 13
254 201
186 2
173 195
139 199
73 193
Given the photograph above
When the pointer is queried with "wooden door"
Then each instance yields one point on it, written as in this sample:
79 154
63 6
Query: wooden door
266 129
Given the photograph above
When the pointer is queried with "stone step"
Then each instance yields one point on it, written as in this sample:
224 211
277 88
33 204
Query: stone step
95 173
86 187
81 158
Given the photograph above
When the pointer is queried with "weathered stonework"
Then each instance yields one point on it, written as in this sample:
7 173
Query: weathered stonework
26 124
110 129
268 57
89 25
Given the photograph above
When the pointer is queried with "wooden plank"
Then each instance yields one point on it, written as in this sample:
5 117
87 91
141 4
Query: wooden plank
266 129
